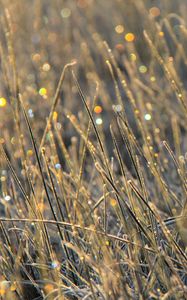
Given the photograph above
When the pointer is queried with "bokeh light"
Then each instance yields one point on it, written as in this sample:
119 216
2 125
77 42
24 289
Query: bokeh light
43 91
130 37
119 29
3 102
154 11
98 109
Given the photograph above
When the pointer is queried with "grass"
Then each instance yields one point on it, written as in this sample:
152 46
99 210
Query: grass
93 150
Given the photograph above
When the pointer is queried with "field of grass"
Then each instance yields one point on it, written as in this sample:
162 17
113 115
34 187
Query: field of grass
93 149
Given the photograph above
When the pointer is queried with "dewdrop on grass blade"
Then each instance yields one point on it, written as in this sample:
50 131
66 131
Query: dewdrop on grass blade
7 198
30 152
55 264
55 116
58 166
30 113
113 202
48 288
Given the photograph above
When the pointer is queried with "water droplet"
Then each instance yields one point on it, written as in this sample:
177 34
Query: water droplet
58 166
54 264
7 198
30 112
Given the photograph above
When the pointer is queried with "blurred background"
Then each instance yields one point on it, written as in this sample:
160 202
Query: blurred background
45 35
39 37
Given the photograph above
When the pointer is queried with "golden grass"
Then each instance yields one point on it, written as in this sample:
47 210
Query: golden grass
93 149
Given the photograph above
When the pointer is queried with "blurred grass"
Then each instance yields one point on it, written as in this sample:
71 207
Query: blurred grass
93 149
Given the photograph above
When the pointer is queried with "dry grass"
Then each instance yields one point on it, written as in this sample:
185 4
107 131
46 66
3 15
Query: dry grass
93 149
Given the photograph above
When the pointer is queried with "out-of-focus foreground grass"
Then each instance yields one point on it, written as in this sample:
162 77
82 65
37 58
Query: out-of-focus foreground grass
93 149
